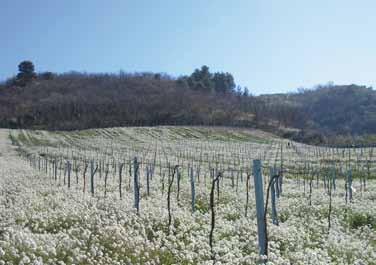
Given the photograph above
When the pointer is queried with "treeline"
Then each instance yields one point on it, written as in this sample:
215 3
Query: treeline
77 100
332 114
349 109
325 115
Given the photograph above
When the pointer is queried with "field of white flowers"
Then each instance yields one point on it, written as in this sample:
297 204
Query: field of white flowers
43 221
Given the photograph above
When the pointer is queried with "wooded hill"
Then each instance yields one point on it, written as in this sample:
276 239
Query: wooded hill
328 114
344 114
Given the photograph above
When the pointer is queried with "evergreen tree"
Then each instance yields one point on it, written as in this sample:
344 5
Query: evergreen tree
26 73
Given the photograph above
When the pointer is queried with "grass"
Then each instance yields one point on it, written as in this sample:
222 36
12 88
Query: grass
356 220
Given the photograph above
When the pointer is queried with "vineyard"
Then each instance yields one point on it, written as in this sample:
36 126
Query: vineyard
183 195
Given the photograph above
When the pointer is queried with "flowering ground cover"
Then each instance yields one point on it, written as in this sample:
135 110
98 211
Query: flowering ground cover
45 221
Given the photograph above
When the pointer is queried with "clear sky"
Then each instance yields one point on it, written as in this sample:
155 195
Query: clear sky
269 46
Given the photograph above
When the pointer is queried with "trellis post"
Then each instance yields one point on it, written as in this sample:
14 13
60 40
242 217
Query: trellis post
259 194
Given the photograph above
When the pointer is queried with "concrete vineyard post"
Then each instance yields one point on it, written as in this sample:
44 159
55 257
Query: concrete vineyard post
259 196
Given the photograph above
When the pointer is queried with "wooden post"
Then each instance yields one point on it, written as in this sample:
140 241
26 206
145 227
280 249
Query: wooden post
272 191
276 184
92 173
330 184
55 169
280 179
349 184
84 176
136 185
178 178
69 173
212 210
148 173
105 179
120 178
334 177
193 191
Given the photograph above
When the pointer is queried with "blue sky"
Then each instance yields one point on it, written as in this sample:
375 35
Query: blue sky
269 46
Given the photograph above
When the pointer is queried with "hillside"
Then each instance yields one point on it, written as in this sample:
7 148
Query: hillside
80 101
339 113
329 114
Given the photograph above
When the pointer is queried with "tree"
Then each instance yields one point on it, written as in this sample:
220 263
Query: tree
238 91
223 83
204 81
245 92
26 73
46 76
201 80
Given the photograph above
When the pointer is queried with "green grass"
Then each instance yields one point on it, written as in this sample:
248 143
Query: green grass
356 220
